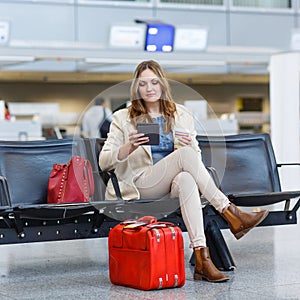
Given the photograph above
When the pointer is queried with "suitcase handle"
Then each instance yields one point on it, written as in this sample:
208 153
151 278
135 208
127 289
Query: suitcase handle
160 225
147 220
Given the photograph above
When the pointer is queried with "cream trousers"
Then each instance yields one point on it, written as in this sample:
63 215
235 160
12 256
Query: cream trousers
183 174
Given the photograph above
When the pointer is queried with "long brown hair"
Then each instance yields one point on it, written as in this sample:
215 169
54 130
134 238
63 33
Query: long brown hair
138 111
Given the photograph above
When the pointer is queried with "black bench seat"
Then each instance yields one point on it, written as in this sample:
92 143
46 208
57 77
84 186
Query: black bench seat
250 176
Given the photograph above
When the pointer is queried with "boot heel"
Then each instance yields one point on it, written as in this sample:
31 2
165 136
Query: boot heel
198 276
240 234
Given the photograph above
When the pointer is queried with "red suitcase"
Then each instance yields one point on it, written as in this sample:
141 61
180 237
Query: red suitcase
146 254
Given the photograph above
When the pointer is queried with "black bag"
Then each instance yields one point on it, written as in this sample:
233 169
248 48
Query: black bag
104 125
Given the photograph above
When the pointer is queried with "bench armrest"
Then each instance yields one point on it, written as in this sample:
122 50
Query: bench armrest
214 175
114 181
287 164
5 199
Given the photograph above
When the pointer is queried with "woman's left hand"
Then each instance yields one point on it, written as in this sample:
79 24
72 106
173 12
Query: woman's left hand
185 141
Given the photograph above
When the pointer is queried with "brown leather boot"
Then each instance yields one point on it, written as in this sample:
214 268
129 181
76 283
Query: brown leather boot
241 222
205 268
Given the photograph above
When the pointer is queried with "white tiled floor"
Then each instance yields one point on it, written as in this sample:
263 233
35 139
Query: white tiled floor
267 259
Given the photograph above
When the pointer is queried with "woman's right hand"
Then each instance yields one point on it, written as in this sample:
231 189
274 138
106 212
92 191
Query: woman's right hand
135 140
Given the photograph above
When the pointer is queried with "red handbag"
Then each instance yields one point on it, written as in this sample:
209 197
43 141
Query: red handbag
71 182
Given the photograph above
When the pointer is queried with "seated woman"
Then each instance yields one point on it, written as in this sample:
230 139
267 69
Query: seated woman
151 172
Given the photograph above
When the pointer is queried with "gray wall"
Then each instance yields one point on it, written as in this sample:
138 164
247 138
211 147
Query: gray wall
73 21
39 21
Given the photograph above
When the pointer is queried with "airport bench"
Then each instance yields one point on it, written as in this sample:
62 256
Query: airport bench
26 217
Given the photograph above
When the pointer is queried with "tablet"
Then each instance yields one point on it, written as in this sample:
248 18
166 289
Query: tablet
150 130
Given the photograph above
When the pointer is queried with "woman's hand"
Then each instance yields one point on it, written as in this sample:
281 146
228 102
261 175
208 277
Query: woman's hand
135 140
185 140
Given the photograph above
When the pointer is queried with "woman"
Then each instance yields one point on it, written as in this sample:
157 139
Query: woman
150 172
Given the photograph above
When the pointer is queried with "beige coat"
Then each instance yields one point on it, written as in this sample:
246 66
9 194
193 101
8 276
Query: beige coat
134 165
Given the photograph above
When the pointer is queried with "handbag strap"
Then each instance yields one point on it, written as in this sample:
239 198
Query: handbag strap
88 184
63 182
89 176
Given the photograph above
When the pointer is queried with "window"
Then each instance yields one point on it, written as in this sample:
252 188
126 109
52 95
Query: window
263 3
198 2
99 1
45 1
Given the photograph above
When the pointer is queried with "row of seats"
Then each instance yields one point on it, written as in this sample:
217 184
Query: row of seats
234 163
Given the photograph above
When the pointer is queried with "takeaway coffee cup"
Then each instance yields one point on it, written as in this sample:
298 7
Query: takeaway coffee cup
179 133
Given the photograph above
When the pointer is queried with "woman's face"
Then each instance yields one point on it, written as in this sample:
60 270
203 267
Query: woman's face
149 86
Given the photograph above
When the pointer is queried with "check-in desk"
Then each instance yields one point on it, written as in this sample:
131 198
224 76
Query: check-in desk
216 127
20 130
